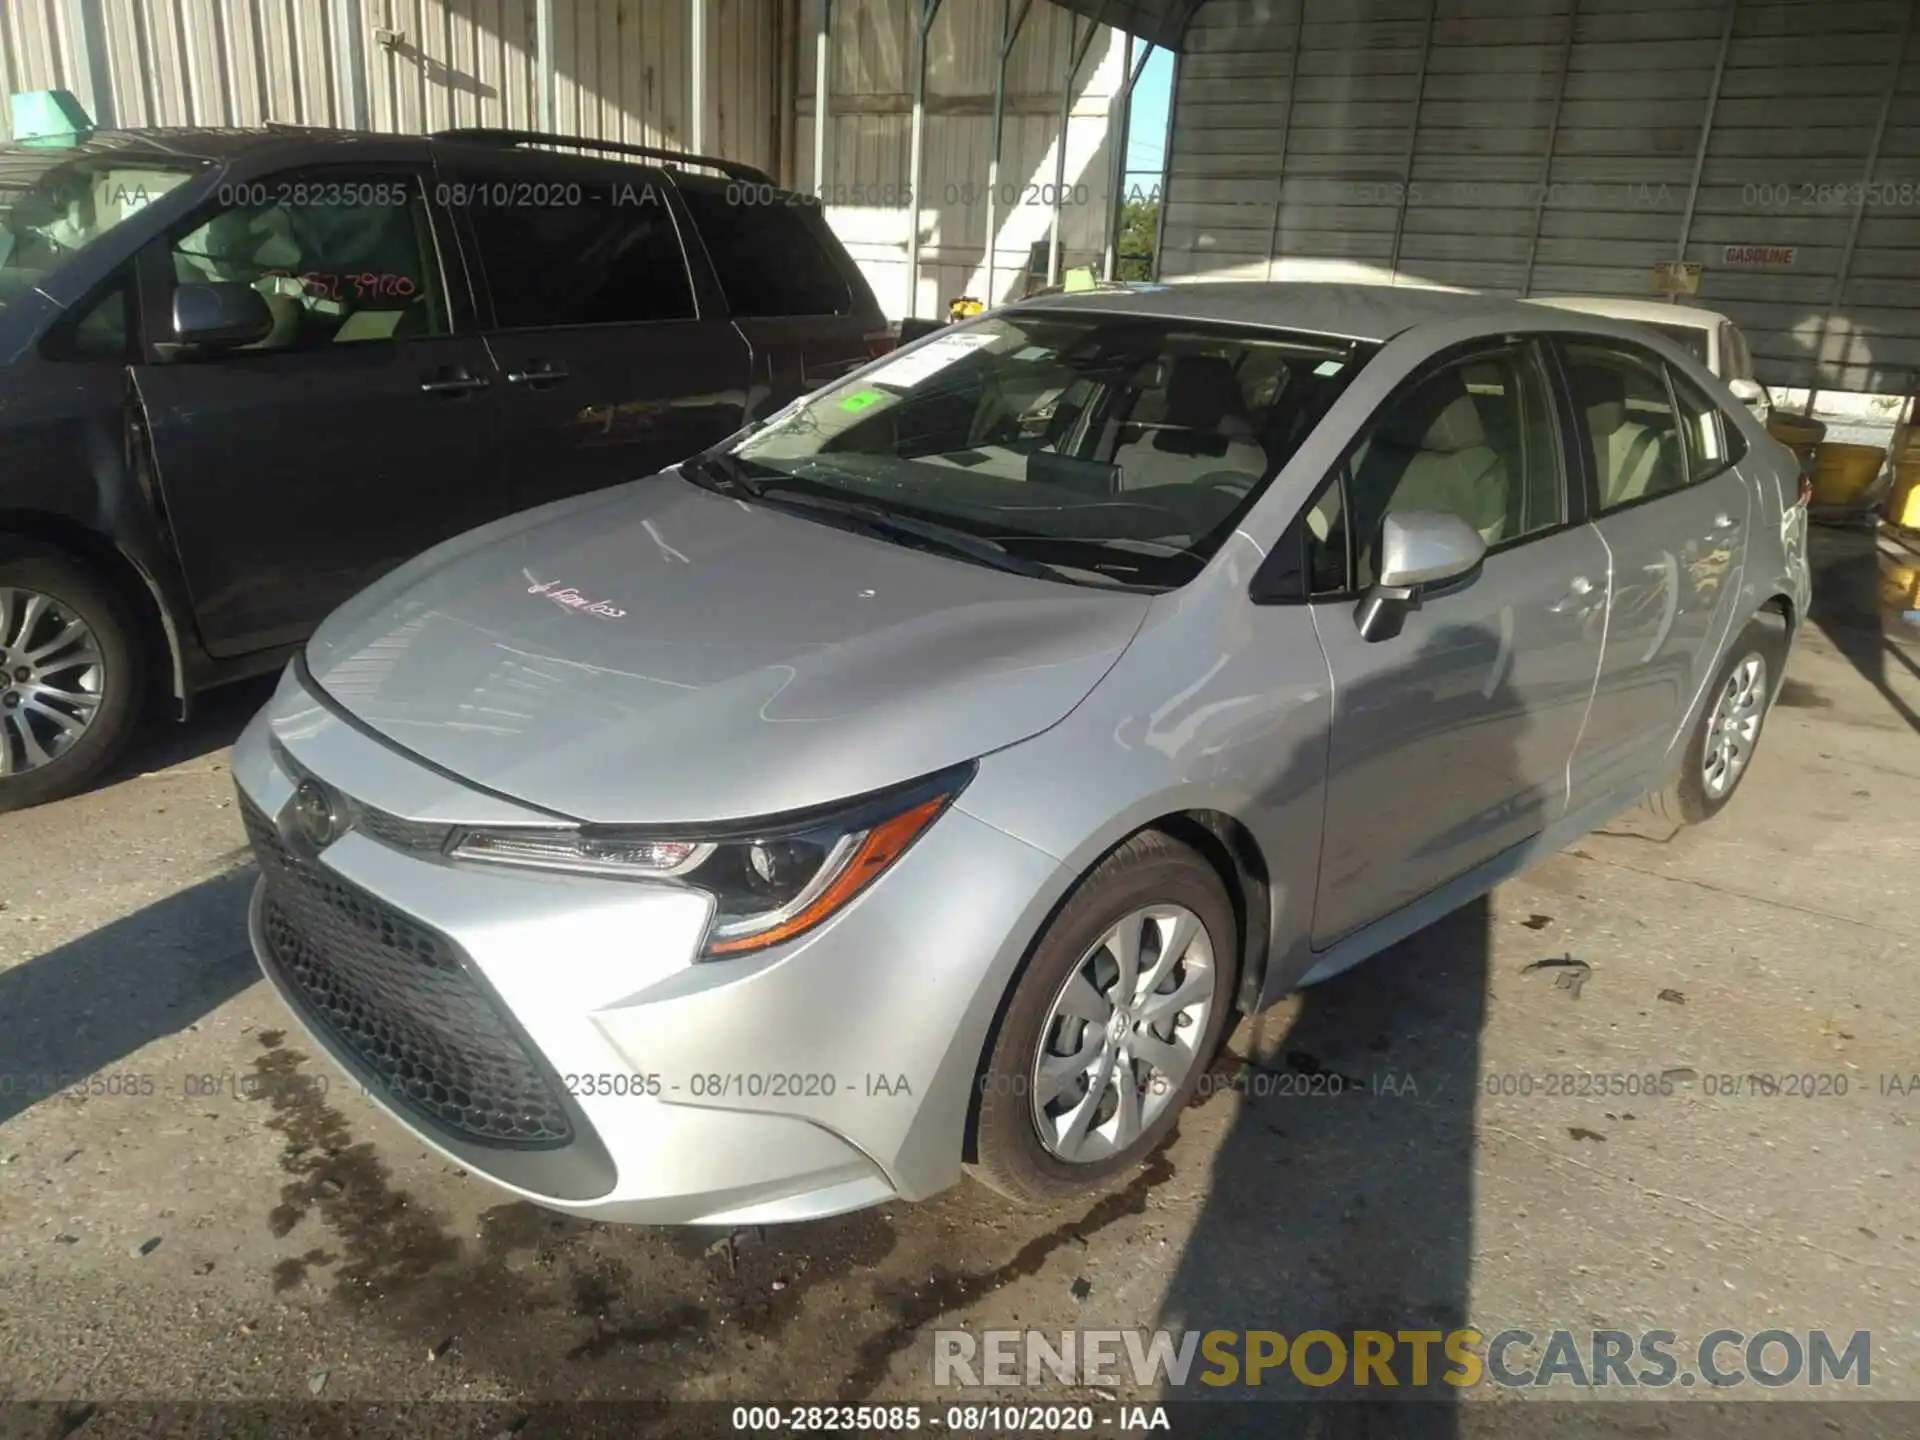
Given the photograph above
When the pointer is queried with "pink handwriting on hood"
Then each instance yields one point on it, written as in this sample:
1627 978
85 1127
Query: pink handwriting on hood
571 599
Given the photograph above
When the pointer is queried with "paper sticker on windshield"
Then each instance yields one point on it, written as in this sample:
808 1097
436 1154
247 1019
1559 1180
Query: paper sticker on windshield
860 400
1328 368
931 358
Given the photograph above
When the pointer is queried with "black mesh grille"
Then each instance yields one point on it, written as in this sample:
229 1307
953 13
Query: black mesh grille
399 998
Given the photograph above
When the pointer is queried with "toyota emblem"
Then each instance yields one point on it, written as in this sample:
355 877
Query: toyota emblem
316 814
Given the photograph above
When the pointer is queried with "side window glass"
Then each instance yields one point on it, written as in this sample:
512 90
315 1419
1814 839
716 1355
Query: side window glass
1326 539
1622 400
1707 432
768 259
103 330
1474 439
597 253
338 259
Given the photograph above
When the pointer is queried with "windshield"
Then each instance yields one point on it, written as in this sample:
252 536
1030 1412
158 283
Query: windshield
1689 337
53 203
1103 449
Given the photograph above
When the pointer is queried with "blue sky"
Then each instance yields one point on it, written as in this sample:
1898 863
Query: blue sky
1147 131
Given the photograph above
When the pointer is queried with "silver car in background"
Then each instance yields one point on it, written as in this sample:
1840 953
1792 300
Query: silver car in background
922 779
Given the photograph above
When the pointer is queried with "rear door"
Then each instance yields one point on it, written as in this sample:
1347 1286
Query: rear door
361 431
794 295
613 367
1674 514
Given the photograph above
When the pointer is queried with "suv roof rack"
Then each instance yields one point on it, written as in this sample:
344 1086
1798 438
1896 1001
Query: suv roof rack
487 135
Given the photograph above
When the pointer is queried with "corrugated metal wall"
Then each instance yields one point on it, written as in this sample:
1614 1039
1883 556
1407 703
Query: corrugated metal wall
869 107
1541 146
622 66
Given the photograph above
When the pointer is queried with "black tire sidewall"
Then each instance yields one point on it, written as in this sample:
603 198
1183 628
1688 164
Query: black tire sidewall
1757 639
106 612
1150 869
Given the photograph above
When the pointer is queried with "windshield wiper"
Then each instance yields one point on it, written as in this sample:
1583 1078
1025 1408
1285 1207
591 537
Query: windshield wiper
954 541
720 470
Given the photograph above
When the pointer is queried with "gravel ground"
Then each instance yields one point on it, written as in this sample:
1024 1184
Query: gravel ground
201 1226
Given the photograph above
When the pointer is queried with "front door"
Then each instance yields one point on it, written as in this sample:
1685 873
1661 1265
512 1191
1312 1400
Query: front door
1674 516
362 430
1451 740
612 370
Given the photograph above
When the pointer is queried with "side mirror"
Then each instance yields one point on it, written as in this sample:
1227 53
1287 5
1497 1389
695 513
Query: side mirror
1419 550
218 316
1752 394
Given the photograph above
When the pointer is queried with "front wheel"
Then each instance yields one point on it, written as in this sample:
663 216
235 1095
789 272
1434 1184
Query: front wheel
1112 1025
1727 734
70 676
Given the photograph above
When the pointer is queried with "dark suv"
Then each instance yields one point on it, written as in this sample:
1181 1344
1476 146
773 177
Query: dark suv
242 373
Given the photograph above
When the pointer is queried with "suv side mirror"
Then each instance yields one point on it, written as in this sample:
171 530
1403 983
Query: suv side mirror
914 326
1419 550
218 316
1752 394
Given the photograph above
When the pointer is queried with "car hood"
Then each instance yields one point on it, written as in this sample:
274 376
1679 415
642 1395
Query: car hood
659 653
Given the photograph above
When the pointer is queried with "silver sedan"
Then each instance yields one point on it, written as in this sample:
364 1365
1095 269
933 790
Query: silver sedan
922 779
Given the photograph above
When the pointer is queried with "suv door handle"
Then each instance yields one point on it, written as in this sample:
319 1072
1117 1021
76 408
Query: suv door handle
454 380
537 374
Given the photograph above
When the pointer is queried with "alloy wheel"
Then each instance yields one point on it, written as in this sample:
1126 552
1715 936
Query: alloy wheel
52 679
1735 727
1123 1034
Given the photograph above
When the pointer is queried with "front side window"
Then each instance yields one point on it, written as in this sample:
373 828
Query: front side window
1622 402
1099 448
768 258
602 252
1476 439
53 204
339 258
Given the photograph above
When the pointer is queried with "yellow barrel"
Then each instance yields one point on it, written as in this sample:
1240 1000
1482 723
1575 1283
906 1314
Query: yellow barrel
1795 430
1903 505
1843 473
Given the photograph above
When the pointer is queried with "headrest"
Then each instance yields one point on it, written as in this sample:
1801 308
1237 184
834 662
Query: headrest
1601 391
1456 428
1201 392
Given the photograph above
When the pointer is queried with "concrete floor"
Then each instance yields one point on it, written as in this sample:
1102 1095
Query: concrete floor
186 1241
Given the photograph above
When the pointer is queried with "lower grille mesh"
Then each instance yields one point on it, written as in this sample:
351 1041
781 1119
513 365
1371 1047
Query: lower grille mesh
399 998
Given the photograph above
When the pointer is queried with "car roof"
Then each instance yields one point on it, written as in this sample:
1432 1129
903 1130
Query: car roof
1645 312
1347 311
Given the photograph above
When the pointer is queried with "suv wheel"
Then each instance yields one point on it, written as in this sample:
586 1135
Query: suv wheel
1727 733
70 676
1111 1026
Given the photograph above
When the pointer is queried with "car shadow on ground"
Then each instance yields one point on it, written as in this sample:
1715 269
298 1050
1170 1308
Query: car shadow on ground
72 1014
1856 589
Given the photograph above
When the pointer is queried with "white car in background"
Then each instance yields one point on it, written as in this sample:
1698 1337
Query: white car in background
1710 336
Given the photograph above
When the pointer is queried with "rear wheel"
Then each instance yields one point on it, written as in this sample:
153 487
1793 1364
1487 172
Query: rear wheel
70 675
1727 734
1111 1026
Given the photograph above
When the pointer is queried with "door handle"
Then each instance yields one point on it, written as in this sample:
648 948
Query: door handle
1578 589
537 374
454 382
1725 522
1580 585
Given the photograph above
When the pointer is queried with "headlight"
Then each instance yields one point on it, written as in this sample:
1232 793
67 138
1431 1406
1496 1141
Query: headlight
770 880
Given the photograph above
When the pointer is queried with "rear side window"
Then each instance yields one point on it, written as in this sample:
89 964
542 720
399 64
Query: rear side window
598 253
768 258
1626 409
1711 436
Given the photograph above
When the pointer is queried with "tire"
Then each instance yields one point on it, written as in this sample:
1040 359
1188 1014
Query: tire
1692 799
75 593
1150 872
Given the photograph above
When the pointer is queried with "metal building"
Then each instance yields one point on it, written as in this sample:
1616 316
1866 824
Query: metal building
1543 146
626 69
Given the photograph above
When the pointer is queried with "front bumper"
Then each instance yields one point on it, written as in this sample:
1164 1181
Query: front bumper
556 1034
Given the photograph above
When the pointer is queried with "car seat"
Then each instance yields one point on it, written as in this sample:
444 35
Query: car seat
1450 467
1206 430
1626 454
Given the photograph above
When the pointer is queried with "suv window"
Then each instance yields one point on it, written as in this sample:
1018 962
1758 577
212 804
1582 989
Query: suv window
769 260
598 253
1622 401
339 258
1475 438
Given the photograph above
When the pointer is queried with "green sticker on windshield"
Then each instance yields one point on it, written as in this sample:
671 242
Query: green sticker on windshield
860 400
